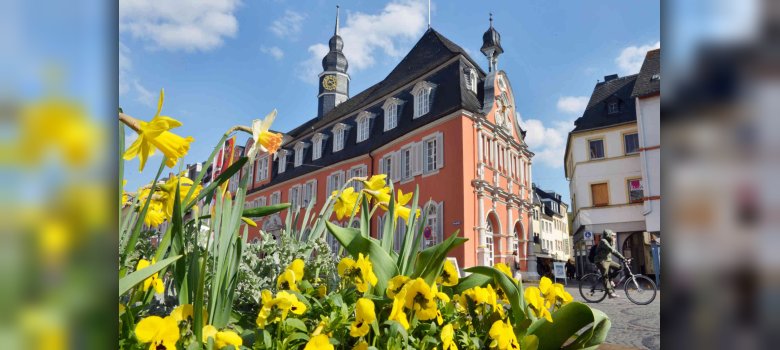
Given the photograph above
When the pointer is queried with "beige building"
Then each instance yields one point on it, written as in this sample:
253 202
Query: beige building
550 233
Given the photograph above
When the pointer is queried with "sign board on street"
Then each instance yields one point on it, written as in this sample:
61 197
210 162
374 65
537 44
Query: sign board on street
560 269
588 235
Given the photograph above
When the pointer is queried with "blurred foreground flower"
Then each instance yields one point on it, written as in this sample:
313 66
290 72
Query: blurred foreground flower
155 134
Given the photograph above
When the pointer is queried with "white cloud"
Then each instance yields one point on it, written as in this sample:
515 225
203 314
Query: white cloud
547 142
572 104
125 65
631 58
274 51
179 25
289 25
145 96
364 34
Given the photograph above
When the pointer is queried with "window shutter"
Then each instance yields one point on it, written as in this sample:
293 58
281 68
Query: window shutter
440 221
314 191
417 158
439 150
396 165
600 194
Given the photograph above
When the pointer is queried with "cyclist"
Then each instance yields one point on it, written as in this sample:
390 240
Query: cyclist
604 261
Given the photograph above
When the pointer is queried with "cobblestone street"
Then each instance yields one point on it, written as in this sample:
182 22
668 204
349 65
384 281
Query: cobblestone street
633 326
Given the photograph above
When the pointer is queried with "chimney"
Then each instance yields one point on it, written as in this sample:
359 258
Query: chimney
610 77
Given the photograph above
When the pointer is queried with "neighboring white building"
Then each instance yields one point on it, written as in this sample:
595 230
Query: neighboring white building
647 92
608 172
550 232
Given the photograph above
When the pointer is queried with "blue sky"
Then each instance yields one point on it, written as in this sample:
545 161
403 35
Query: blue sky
226 62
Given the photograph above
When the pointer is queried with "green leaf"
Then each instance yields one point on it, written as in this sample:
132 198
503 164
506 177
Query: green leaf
177 248
471 281
264 211
567 321
431 260
529 342
129 281
508 286
296 323
224 176
355 243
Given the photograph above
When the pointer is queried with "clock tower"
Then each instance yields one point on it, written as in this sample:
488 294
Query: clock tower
334 80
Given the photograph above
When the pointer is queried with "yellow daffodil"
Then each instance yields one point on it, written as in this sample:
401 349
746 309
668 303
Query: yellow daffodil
297 267
400 209
154 280
362 345
185 312
265 140
160 333
364 316
506 270
397 312
319 342
376 187
449 275
360 272
537 303
503 336
287 281
447 336
155 135
346 202
169 188
395 284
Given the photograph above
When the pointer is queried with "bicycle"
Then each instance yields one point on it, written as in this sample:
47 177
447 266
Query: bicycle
640 289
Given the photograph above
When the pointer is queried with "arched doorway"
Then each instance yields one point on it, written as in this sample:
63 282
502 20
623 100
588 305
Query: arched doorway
635 246
517 252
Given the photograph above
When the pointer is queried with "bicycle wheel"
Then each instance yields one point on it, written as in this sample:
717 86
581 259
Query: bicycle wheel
641 290
592 288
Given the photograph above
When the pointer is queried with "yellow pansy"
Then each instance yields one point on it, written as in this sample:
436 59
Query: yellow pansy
287 280
362 345
160 333
221 338
364 316
449 275
209 331
297 266
503 336
360 272
155 135
397 312
537 303
152 281
506 270
266 303
264 140
422 299
319 342
184 312
562 294
346 202
447 336
395 284
287 302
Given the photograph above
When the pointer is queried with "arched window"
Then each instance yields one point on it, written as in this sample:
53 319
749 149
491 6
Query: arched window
489 240
355 223
433 230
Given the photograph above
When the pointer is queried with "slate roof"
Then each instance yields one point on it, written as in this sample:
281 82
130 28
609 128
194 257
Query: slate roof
645 84
430 51
596 114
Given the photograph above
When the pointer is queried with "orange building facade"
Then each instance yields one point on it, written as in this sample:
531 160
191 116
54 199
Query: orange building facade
437 122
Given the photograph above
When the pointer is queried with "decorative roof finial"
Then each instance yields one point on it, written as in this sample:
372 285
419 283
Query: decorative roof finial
429 14
491 20
336 31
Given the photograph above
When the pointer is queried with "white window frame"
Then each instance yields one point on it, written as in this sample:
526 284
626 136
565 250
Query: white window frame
406 163
471 76
423 98
251 174
300 151
262 168
317 142
335 182
294 197
282 161
437 140
392 108
610 110
261 202
276 198
364 125
434 218
386 166
358 170
309 193
339 136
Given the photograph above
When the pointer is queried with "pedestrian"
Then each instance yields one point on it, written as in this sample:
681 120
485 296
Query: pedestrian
516 265
603 260
570 269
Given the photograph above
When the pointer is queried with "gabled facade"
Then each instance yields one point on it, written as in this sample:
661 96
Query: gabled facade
437 122
605 166
550 232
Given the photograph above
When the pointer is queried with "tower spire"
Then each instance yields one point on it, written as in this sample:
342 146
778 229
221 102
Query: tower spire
491 45
336 30
491 19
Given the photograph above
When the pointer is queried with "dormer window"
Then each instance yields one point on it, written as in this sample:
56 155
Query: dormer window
300 149
391 107
471 79
422 92
339 135
363 123
317 144
282 160
613 108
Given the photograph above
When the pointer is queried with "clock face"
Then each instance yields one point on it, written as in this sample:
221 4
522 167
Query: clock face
329 82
